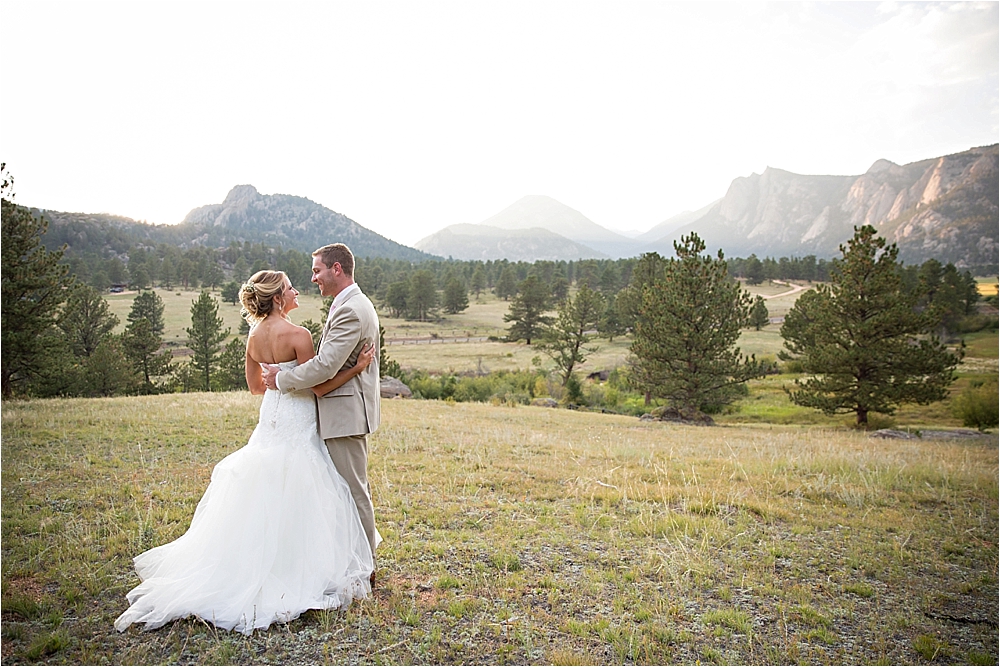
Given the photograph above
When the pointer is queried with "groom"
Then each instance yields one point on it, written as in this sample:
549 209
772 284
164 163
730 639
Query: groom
349 413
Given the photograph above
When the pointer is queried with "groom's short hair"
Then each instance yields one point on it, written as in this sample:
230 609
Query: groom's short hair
334 253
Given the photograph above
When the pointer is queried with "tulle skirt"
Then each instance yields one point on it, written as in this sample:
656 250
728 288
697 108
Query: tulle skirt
276 533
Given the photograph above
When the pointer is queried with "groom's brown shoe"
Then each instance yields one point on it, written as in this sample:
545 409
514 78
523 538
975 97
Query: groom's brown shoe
371 580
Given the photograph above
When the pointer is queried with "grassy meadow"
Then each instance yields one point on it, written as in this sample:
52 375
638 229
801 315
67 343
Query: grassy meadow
531 535
526 535
452 343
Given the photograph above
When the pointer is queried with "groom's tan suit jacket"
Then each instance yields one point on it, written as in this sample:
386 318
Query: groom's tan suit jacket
353 408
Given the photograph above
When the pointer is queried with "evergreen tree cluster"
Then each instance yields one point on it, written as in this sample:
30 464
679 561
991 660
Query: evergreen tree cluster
869 337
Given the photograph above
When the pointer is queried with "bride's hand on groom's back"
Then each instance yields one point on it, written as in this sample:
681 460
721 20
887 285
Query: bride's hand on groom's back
365 356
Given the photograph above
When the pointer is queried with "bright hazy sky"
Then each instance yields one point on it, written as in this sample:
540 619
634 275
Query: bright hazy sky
410 116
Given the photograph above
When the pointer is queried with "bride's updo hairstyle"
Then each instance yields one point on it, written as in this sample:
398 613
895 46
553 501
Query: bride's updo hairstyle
257 295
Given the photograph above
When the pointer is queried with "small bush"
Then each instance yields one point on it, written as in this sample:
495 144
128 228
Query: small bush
47 644
793 366
22 606
977 406
876 422
977 322
574 391
930 647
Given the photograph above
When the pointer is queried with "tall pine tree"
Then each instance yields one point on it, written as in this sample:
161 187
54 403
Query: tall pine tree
527 310
566 340
456 297
32 283
205 337
689 319
149 306
861 338
142 347
86 320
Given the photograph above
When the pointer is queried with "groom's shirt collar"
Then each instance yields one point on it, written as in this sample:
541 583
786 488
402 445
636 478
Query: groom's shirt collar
339 300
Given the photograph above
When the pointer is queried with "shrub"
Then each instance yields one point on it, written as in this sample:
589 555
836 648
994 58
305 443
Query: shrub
574 392
876 422
793 366
499 387
977 322
977 405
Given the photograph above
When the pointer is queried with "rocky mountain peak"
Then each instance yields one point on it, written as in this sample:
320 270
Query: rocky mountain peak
241 195
881 165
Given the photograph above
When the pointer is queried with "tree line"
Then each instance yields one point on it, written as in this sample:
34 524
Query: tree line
684 315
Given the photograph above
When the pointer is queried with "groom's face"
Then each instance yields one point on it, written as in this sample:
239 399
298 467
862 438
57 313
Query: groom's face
323 276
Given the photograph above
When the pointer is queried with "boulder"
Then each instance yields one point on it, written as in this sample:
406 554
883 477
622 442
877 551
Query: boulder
393 388
669 413
545 402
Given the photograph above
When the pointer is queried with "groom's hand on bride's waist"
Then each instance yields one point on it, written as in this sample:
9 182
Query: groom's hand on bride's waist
270 373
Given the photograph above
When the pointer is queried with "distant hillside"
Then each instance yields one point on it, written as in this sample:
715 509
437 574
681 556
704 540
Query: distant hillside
671 224
483 242
533 228
944 208
245 215
547 213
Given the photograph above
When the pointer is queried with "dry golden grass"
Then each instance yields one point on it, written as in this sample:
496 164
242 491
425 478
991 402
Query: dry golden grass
526 535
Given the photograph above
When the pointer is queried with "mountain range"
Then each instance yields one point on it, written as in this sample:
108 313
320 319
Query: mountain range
944 207
244 215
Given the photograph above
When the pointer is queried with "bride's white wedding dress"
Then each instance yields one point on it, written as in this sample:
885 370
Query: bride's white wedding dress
276 533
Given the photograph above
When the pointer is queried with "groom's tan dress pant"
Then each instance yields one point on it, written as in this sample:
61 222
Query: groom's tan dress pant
350 456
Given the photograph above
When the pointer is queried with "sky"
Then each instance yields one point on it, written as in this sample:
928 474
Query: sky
411 116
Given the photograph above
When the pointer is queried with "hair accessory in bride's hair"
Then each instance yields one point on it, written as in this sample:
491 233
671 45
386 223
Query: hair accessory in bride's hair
249 287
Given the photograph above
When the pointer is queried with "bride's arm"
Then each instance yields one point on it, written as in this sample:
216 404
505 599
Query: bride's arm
364 358
255 378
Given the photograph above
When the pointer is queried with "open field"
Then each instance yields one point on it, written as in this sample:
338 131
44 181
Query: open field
526 535
483 318
987 285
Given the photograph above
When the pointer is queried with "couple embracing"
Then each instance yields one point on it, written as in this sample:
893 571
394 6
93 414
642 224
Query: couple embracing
287 522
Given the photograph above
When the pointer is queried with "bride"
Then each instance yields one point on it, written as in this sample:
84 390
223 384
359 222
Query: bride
277 531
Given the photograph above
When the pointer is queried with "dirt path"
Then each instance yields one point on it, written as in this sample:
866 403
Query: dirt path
795 290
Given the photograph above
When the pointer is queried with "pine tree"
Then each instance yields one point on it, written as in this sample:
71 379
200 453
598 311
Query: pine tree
213 275
232 375
648 271
506 286
758 314
456 297
205 337
754 271
32 283
611 324
240 270
478 280
566 340
422 297
140 276
148 305
231 292
860 337
386 365
86 320
167 272
141 345
610 279
690 318
559 288
108 371
396 297
527 310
